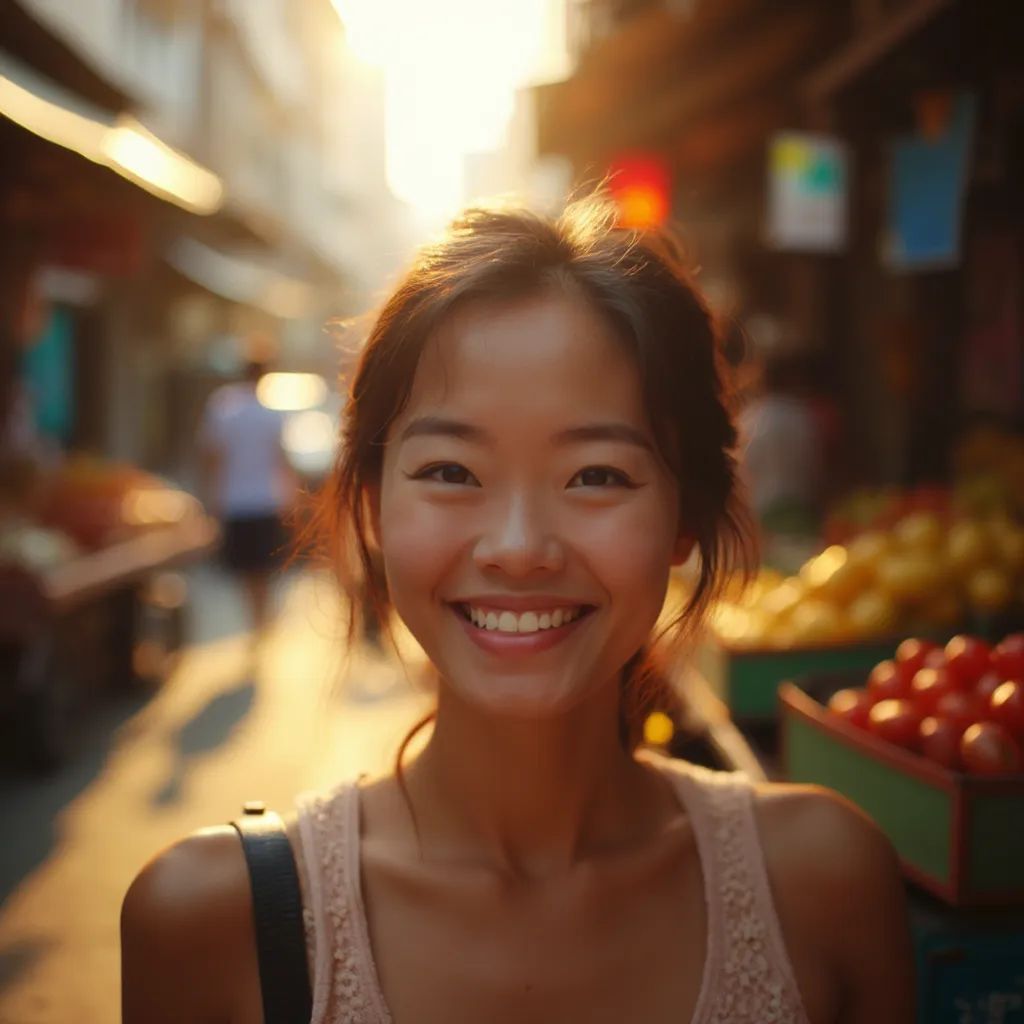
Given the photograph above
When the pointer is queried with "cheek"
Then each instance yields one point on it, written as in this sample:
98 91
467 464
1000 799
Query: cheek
633 552
418 544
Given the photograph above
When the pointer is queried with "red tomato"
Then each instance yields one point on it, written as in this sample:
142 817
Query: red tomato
929 685
912 653
853 705
1008 657
888 680
986 748
1007 706
896 720
968 657
986 686
934 659
960 708
939 740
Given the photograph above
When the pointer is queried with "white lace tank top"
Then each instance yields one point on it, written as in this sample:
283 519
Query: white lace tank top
747 977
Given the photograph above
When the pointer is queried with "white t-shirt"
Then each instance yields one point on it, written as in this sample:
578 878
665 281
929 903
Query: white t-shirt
247 436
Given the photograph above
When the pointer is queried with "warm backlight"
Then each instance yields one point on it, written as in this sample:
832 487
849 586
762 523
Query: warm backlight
291 392
451 70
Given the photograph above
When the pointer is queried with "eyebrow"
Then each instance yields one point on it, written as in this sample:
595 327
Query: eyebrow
438 426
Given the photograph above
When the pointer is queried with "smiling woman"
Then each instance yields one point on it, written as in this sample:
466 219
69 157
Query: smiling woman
538 429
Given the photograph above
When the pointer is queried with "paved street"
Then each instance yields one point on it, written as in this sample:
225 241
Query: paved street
228 726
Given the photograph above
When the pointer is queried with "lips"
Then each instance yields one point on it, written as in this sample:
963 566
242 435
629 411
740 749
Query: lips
501 644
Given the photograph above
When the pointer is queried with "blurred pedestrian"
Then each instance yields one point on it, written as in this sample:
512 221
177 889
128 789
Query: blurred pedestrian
247 482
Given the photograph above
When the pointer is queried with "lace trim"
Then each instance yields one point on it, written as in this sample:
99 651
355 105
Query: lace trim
309 927
754 980
750 982
348 1001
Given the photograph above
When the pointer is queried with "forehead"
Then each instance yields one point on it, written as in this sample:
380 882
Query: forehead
530 354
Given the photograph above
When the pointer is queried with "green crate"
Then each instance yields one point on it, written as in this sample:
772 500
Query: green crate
747 679
959 836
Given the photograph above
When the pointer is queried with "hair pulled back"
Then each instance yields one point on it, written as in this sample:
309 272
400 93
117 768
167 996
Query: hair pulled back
640 283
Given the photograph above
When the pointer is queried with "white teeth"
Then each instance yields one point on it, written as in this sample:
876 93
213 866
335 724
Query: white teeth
526 622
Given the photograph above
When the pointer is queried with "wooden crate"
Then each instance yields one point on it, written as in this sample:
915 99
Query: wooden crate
959 836
747 679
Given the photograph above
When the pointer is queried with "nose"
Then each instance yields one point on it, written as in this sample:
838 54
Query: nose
517 539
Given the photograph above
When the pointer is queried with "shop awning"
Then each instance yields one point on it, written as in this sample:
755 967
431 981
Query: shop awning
114 140
853 60
244 278
36 44
702 86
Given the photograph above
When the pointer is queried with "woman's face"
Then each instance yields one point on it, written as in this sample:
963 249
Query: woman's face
520 483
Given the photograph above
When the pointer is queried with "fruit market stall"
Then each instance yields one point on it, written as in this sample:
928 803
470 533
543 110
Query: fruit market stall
930 743
930 572
88 599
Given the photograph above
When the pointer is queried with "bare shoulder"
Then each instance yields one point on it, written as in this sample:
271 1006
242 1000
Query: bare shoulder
840 898
187 944
813 828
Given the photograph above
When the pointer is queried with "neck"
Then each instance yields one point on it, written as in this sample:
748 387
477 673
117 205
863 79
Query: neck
529 796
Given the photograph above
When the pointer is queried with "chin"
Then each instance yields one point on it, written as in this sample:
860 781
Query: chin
523 697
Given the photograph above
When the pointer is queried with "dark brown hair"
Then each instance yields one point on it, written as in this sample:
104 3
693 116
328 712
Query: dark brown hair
640 283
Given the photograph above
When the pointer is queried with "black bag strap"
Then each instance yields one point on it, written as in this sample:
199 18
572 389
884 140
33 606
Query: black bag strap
277 916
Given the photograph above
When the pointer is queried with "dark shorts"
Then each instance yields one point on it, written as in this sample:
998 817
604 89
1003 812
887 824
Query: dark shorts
253 543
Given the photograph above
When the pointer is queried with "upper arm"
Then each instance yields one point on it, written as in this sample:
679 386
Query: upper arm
188 952
841 901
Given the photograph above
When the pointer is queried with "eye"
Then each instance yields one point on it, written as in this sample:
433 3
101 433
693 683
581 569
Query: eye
596 476
444 473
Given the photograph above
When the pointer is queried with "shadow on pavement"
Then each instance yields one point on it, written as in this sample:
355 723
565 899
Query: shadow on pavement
19 957
31 803
207 730
216 607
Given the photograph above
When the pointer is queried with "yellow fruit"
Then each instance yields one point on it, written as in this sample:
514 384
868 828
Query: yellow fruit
834 576
781 635
729 621
766 579
919 530
818 570
909 577
967 546
872 614
817 622
780 601
867 549
1008 541
989 589
848 581
758 625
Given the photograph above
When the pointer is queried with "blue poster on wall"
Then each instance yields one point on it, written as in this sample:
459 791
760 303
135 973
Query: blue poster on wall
49 375
928 179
